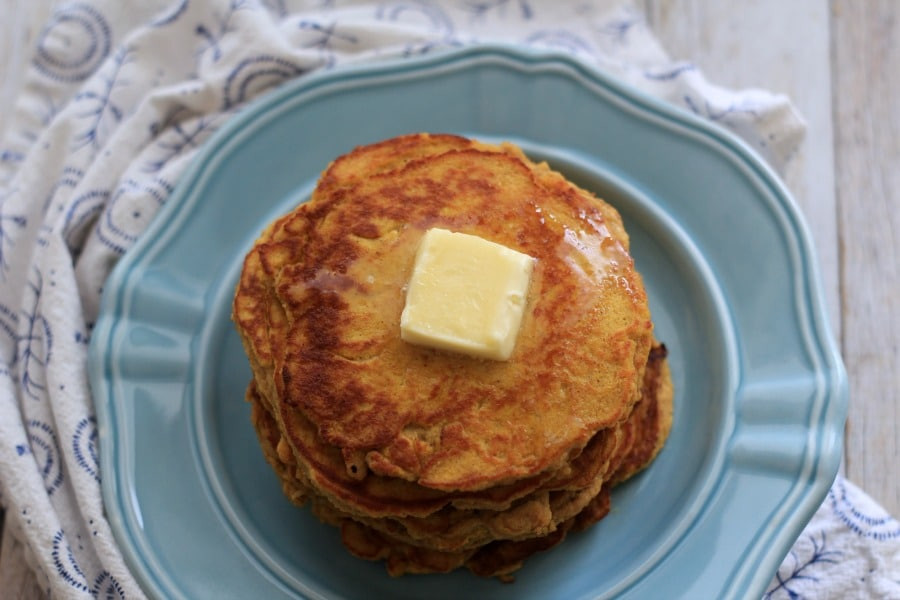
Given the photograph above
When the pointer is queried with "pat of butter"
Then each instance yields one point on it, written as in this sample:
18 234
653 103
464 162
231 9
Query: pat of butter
466 294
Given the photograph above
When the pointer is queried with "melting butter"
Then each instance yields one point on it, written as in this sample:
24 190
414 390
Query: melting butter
466 294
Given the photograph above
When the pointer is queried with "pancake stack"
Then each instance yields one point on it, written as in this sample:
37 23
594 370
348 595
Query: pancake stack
428 459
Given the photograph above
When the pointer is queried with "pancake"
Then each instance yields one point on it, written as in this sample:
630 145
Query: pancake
430 459
452 528
283 252
497 559
547 515
423 418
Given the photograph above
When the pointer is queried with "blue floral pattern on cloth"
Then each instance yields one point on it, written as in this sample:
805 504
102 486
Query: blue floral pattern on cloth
117 101
43 447
850 549
84 447
9 223
862 519
74 43
68 569
803 569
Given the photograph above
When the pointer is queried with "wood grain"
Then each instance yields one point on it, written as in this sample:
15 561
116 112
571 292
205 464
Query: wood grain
866 55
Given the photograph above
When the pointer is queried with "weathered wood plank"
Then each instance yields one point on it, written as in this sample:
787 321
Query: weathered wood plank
866 55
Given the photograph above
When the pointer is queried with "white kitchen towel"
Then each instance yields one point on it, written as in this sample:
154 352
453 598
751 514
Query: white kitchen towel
117 97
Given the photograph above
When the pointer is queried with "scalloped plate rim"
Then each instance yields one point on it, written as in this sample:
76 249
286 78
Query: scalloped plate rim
831 396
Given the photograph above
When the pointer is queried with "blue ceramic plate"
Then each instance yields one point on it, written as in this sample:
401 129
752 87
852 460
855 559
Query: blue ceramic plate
761 393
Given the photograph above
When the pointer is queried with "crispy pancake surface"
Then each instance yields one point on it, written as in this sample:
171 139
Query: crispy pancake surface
424 455
450 538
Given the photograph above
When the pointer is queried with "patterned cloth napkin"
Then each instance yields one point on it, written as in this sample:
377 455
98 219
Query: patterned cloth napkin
117 97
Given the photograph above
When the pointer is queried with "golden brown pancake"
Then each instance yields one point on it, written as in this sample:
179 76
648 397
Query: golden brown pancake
428 458
568 505
453 528
423 413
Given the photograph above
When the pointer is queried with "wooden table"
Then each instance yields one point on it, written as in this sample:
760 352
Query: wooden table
838 62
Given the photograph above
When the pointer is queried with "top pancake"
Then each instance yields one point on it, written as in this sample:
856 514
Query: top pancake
319 304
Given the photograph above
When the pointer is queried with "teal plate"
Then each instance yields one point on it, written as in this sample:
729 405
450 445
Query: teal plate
761 392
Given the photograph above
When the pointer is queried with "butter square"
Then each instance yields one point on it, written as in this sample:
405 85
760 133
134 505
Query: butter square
466 294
